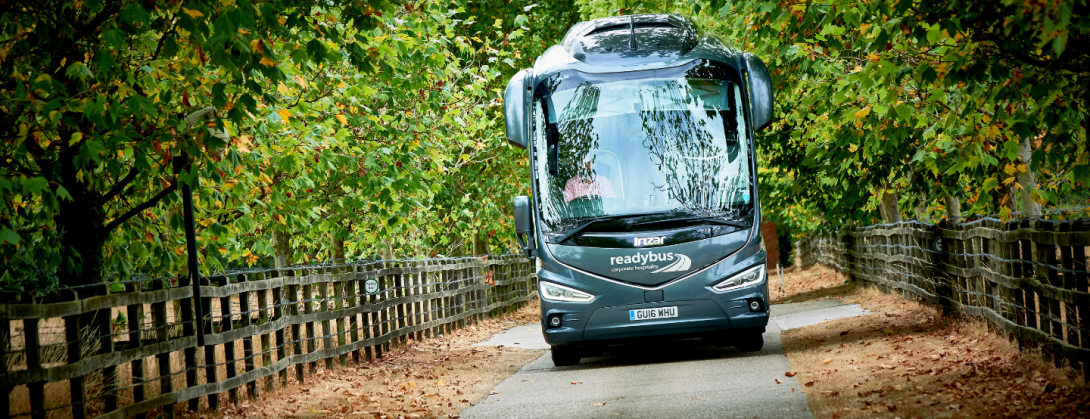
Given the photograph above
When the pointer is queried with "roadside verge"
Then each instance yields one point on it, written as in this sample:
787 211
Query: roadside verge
907 360
433 378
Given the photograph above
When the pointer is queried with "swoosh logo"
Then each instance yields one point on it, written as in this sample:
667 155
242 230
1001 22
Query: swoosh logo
681 264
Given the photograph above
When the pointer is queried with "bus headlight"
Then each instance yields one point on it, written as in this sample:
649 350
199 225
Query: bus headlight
553 292
748 277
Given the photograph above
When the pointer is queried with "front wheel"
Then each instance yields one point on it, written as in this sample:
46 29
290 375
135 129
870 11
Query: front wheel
750 342
565 356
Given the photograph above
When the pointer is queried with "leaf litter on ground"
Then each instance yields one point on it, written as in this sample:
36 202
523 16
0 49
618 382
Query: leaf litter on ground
910 361
436 377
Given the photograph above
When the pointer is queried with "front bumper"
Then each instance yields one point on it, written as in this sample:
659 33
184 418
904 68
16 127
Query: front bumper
701 310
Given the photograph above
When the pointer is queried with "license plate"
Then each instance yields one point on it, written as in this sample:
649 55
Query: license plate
652 313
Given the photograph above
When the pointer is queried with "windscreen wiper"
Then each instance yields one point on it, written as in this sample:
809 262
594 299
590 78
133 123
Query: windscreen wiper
714 220
568 234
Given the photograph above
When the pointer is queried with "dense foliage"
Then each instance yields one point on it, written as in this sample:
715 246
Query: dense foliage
374 127
928 104
356 128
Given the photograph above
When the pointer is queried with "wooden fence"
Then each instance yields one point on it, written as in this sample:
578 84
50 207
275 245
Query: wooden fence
128 353
1028 277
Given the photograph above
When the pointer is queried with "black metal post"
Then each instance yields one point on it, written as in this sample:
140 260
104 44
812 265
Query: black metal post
191 247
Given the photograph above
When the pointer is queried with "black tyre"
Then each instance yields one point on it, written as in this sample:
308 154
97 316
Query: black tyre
565 356
749 342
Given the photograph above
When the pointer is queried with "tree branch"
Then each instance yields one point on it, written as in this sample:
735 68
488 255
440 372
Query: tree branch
162 39
107 12
137 209
119 186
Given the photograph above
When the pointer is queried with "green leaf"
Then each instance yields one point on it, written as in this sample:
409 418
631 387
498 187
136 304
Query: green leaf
35 185
989 184
9 236
141 106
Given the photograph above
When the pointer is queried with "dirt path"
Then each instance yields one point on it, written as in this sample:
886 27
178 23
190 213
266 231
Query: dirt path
434 378
906 360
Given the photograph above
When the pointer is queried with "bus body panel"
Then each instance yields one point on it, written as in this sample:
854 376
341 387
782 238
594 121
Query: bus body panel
700 309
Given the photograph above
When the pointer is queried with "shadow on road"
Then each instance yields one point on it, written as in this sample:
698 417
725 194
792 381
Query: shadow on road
657 352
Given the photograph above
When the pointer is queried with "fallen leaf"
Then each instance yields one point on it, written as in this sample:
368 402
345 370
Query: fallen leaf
790 373
577 382
599 404
778 381
493 392
810 384
826 361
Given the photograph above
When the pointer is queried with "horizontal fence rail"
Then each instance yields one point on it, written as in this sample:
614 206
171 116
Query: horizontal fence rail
124 354
1029 277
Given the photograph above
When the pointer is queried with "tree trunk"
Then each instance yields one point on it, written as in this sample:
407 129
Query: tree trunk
336 245
1012 195
81 222
1086 111
480 243
282 248
953 209
82 225
1027 181
891 213
921 209
387 250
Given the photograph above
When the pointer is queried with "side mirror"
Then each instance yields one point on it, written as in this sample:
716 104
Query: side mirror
516 105
760 91
524 228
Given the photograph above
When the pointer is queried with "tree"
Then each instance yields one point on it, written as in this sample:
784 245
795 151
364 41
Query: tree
368 122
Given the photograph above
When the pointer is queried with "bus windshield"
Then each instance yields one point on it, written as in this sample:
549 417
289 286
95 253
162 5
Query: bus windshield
669 141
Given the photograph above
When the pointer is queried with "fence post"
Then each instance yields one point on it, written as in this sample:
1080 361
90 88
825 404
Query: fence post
1082 283
1046 259
428 305
369 314
1067 259
944 278
246 320
324 307
849 256
226 325
210 375
189 353
339 283
420 268
33 348
1026 255
384 295
456 303
296 329
1001 253
278 303
72 346
5 347
308 310
162 334
399 309
263 305
136 340
354 294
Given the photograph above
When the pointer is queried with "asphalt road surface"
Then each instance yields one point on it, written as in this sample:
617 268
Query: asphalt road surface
664 379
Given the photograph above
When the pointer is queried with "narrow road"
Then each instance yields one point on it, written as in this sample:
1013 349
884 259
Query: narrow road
658 379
